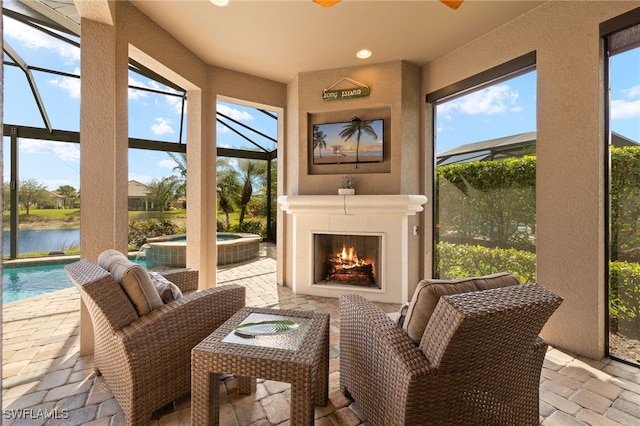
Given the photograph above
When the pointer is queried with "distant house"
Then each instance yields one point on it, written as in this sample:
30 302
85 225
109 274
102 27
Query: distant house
138 196
506 147
55 200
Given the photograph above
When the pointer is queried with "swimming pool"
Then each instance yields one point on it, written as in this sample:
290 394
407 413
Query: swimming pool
23 280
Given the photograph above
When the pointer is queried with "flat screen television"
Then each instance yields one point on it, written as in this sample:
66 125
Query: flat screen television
355 141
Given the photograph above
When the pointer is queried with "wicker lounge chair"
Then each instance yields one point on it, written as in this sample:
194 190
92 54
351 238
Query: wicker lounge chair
146 361
478 362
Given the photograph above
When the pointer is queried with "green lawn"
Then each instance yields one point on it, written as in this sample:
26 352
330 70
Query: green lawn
70 218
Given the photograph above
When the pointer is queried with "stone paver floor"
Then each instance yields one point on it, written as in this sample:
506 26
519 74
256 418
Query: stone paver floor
44 376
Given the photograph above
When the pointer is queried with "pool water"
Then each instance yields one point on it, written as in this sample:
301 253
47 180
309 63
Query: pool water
27 281
22 282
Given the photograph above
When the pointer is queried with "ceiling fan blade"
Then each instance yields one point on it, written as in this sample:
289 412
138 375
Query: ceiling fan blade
326 3
453 4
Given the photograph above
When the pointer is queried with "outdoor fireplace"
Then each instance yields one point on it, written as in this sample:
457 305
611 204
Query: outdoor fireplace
347 259
329 231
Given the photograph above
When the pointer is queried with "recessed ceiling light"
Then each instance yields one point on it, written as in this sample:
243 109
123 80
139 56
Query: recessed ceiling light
363 53
220 3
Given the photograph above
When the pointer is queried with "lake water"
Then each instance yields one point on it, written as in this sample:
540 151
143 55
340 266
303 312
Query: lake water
43 240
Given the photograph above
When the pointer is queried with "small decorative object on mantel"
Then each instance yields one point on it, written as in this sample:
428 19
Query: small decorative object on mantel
346 186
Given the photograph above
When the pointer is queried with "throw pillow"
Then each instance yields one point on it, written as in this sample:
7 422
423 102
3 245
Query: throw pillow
428 293
133 278
167 290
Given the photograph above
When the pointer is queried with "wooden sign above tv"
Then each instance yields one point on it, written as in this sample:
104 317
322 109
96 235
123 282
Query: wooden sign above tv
331 94
338 95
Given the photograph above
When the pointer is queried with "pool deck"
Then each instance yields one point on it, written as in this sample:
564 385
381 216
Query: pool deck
42 369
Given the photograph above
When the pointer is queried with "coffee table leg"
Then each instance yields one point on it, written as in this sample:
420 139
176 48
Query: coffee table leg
302 412
246 385
322 375
205 399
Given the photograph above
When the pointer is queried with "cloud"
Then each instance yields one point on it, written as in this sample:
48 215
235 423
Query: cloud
67 152
167 164
234 113
622 109
134 93
162 126
175 103
492 100
68 84
34 39
633 92
221 128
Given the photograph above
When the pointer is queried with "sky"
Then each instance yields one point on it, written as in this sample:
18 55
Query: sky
508 108
503 109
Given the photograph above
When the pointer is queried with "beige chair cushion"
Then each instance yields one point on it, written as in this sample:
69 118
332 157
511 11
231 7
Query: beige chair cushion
133 278
428 293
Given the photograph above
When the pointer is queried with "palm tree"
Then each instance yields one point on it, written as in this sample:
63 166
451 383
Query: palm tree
69 193
319 140
356 127
251 170
181 162
161 191
180 159
227 188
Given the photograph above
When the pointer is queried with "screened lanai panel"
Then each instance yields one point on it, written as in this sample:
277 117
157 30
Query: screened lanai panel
41 49
246 128
156 112
40 89
19 104
624 194
484 203
48 185
61 98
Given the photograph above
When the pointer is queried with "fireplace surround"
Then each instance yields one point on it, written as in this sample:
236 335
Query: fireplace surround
384 217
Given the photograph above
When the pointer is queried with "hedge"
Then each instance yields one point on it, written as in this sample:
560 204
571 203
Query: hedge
461 260
492 203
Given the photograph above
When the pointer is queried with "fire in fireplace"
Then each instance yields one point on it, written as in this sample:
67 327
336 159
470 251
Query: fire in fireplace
342 259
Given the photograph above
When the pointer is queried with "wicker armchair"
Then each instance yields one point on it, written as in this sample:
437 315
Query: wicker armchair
146 361
479 360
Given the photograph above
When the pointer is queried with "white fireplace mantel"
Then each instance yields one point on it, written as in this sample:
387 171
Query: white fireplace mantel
386 216
352 204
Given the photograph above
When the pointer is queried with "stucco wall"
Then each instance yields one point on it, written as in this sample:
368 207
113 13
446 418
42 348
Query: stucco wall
570 152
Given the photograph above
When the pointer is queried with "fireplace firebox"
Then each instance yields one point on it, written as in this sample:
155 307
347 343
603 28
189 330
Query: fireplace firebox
347 259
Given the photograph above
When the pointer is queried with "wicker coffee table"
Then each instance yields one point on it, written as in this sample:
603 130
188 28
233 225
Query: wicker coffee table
299 355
